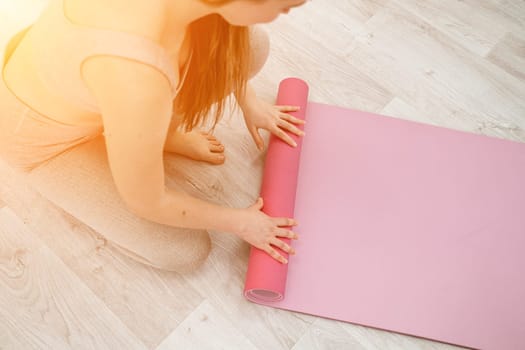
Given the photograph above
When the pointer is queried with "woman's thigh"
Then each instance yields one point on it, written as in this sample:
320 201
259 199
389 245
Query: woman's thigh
260 46
80 182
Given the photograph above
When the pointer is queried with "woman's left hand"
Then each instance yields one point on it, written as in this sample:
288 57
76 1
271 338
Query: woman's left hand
259 114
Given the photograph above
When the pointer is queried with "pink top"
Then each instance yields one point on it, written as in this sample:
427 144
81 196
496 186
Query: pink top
29 138
76 43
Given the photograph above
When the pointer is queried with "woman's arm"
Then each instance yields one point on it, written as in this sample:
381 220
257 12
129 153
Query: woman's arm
248 97
135 101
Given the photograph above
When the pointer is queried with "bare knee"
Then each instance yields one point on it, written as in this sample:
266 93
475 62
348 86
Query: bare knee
183 255
260 46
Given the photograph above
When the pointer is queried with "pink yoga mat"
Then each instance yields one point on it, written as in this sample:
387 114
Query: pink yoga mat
403 226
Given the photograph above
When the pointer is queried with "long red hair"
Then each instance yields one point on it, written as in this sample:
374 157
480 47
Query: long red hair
219 66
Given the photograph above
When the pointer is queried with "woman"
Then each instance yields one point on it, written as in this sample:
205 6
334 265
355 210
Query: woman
145 74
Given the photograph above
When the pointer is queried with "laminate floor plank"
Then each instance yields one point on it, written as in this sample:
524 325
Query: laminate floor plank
148 301
205 324
43 304
509 55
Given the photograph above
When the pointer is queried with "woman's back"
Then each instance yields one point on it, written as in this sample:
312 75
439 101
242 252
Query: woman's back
44 70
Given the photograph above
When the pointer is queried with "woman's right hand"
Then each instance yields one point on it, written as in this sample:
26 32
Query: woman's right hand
262 231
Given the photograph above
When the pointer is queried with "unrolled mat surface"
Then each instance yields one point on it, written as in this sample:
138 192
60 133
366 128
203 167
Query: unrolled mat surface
403 226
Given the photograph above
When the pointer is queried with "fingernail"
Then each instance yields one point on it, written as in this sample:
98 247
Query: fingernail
285 261
295 144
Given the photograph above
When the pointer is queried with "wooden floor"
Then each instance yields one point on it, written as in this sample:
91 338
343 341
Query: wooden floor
451 63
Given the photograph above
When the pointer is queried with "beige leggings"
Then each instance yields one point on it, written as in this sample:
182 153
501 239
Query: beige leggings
80 181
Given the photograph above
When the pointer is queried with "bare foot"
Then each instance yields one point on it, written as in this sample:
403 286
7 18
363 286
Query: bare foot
197 145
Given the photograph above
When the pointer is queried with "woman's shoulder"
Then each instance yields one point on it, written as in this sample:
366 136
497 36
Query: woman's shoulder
139 17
